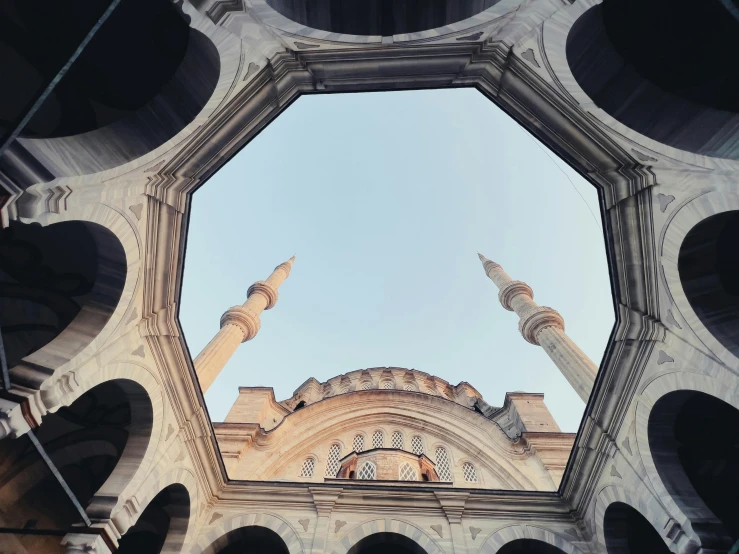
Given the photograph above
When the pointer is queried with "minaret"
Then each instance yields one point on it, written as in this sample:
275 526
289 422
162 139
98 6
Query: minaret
239 324
543 326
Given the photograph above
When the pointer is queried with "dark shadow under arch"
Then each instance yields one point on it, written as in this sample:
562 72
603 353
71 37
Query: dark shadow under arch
162 527
708 265
694 441
96 444
379 17
386 543
628 532
529 546
143 77
252 538
59 286
660 68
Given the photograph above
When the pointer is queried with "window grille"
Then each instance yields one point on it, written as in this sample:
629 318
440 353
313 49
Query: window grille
358 444
397 440
409 386
417 445
332 462
367 385
387 385
468 470
367 472
442 464
308 466
378 439
407 473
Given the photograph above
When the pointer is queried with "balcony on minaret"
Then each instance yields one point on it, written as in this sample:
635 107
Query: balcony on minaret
387 464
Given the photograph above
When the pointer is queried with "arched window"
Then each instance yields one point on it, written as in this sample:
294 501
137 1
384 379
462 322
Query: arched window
367 472
442 464
308 466
378 439
409 387
468 470
388 385
358 444
332 462
367 385
397 440
407 473
417 445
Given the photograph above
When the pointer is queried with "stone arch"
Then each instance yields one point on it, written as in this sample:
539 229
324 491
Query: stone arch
498 540
136 461
61 284
685 99
555 33
138 83
396 526
209 540
713 328
660 459
368 22
640 500
97 444
163 524
156 481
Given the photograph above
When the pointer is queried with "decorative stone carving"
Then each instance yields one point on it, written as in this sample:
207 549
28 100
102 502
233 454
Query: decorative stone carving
266 290
509 291
536 320
244 319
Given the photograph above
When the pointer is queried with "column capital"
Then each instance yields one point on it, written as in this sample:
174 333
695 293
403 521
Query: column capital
244 319
266 290
537 319
512 289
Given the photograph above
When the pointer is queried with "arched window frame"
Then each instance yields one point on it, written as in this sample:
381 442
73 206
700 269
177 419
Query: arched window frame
469 472
397 440
406 471
414 448
367 472
308 467
332 459
444 470
378 439
358 443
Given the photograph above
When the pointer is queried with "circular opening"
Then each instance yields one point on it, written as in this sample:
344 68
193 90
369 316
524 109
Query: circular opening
708 265
378 17
660 67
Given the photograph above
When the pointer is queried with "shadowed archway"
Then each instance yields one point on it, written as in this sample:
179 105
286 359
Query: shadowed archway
659 67
162 526
529 546
628 532
96 444
694 441
386 543
253 539
708 264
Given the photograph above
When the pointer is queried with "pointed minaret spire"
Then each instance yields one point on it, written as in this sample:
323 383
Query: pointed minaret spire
239 324
543 326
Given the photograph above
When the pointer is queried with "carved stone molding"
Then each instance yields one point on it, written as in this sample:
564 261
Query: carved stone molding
244 319
265 289
536 320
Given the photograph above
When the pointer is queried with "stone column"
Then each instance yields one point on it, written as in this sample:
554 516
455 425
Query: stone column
239 324
544 327
453 505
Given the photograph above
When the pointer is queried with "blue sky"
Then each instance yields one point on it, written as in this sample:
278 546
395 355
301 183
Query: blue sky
386 198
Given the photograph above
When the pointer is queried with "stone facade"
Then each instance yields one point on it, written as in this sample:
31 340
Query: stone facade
100 381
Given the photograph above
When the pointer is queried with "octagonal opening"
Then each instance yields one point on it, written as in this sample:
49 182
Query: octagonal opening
386 199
